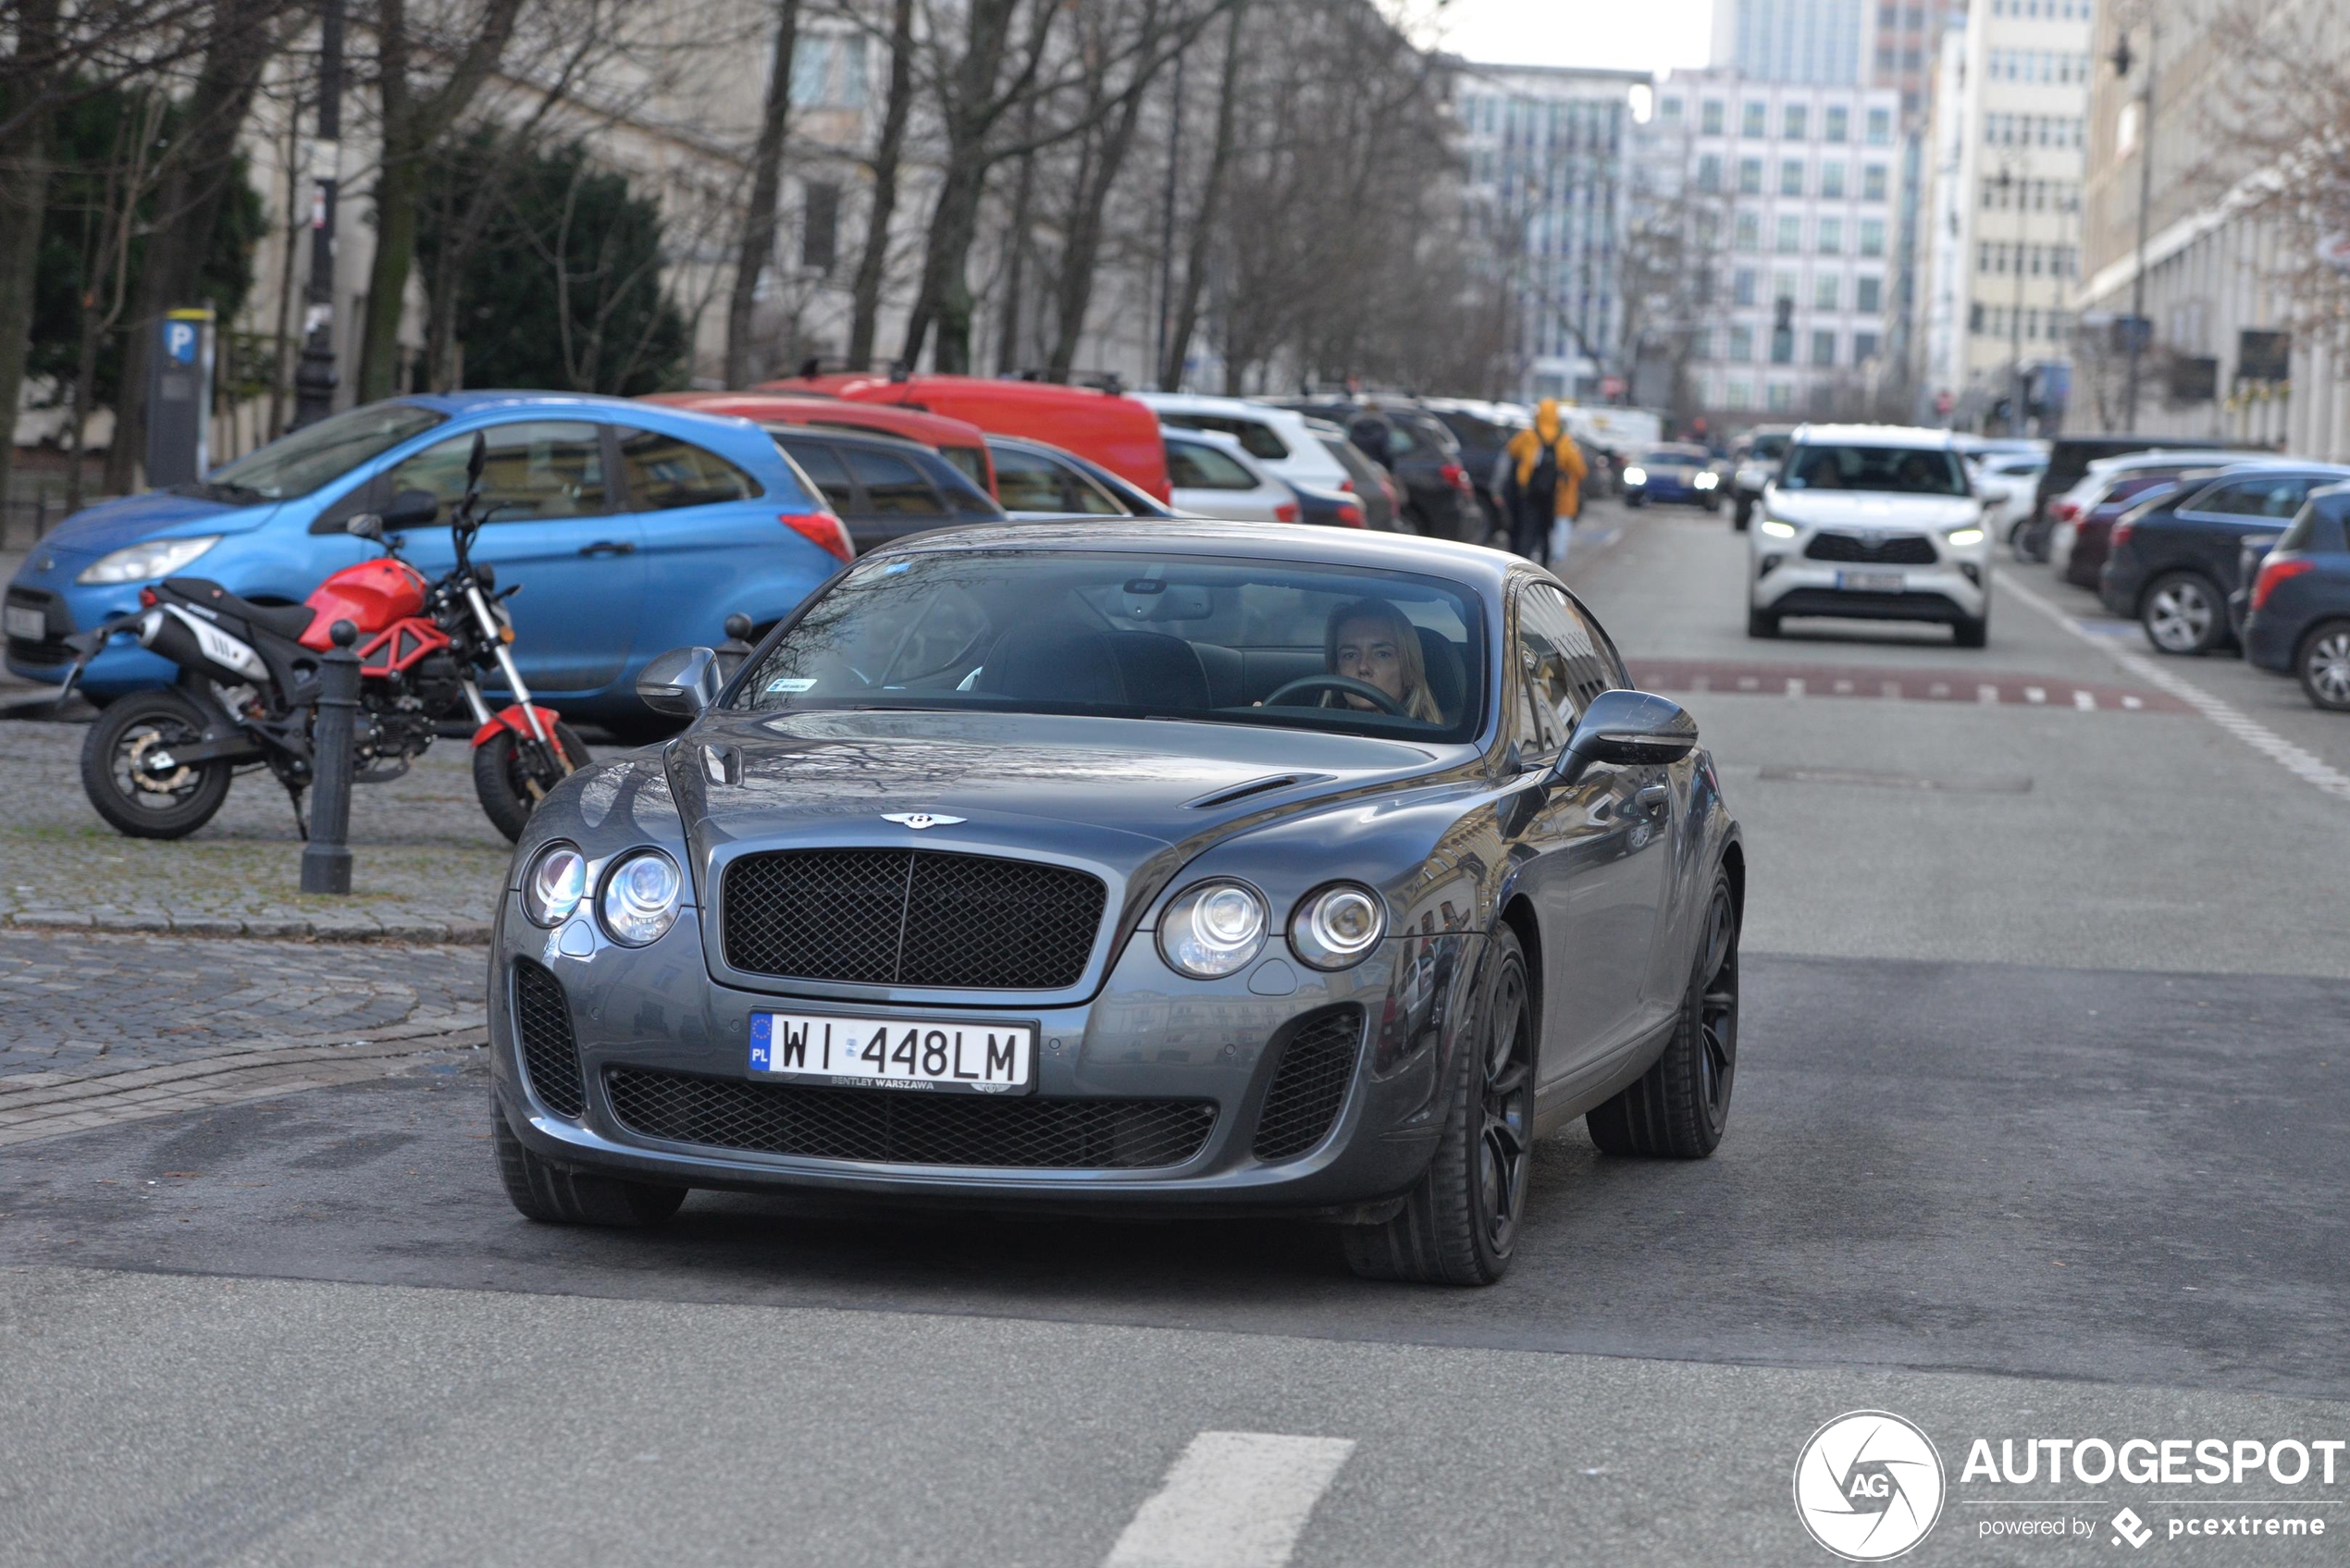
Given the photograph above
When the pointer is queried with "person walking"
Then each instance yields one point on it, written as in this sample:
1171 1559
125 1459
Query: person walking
1540 480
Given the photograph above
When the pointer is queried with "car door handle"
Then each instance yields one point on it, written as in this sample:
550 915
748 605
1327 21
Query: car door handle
609 546
1653 797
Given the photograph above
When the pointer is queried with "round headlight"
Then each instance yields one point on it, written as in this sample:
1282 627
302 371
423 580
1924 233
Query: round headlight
1212 929
1338 926
641 898
555 884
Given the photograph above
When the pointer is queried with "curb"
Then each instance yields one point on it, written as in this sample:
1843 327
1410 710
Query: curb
458 933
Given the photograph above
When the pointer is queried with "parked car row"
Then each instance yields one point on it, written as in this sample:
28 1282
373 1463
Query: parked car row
2214 552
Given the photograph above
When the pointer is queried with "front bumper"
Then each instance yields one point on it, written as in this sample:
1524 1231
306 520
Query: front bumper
1796 586
1147 1035
66 607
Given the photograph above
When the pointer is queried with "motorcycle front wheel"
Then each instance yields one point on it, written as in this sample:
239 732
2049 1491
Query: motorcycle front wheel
507 766
131 792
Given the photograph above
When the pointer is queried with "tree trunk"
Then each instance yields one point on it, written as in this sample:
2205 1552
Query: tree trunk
1186 317
188 207
767 175
24 187
1081 251
865 293
969 112
411 125
1016 268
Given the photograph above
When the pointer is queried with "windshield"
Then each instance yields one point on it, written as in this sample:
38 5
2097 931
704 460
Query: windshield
1674 456
1917 471
1769 449
1291 644
297 464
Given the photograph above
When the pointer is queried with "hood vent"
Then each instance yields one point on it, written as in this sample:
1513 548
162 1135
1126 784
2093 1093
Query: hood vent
1255 786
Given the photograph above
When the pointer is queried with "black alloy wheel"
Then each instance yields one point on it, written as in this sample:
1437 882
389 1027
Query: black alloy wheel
1460 1225
1679 1107
513 773
2323 665
125 775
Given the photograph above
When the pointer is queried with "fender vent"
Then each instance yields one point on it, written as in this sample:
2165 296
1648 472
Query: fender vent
1309 1083
542 1025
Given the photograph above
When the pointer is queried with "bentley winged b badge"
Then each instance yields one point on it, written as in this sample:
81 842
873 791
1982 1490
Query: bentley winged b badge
920 820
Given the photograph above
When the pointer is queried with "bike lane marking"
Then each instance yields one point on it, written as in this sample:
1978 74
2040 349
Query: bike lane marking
1231 1500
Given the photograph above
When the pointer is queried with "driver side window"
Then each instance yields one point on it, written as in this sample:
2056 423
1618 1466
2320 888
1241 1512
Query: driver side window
1561 669
540 469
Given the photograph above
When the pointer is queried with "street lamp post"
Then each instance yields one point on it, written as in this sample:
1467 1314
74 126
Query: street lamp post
2138 332
315 378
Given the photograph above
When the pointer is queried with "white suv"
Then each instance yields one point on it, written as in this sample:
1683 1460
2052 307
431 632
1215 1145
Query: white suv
1277 437
1872 522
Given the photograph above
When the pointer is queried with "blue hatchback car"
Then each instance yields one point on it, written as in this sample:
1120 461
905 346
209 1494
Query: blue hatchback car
631 527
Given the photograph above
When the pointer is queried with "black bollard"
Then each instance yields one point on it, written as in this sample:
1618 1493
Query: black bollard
325 860
736 648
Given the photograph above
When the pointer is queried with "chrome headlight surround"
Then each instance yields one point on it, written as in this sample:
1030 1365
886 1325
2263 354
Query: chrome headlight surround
641 894
147 561
1338 926
1213 928
554 884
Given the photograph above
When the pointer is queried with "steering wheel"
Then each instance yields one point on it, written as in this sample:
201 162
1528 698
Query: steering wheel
1347 684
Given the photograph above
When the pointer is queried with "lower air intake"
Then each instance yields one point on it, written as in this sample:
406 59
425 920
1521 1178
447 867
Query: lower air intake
908 1128
550 1056
1309 1083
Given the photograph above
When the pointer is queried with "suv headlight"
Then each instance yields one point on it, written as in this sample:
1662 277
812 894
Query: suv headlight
1961 538
1338 926
1636 474
1212 929
641 897
1771 527
555 884
144 562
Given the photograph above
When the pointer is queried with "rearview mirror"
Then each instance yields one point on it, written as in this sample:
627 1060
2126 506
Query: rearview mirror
1627 729
411 509
684 680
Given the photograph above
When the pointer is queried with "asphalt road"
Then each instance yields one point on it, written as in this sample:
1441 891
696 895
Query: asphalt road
2037 1135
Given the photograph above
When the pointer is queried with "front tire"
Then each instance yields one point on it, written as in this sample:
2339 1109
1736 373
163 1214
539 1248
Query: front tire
547 1193
2183 613
135 799
1459 1225
1762 624
1679 1107
2323 665
1975 632
509 784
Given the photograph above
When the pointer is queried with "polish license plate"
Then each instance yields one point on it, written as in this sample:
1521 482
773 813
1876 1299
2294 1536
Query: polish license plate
1872 582
27 623
955 1056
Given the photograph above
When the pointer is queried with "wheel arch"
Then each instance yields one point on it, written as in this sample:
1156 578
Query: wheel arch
1518 916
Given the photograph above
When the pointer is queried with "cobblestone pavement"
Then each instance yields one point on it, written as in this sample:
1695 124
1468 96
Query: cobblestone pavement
77 1004
424 856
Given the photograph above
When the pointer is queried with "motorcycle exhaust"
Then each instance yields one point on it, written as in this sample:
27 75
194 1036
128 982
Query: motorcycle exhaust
197 644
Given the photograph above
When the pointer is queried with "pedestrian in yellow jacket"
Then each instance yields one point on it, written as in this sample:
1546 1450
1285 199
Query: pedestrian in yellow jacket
1542 483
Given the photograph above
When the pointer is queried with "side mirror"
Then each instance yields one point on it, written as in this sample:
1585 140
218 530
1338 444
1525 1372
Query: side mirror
477 458
1627 729
684 680
411 509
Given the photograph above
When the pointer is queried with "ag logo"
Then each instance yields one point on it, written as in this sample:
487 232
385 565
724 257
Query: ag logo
1868 1485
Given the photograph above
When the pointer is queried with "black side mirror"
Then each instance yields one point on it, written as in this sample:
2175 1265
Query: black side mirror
1629 729
411 509
684 680
476 459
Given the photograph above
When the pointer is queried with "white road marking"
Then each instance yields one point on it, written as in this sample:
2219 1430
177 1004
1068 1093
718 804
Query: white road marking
1231 1500
2035 694
2302 764
1843 688
1986 693
2084 700
1939 688
1889 688
2133 702
1795 686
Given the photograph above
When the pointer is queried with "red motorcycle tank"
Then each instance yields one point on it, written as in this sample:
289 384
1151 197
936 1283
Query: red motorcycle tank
371 596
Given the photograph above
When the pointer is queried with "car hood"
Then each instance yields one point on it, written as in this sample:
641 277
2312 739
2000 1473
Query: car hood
1135 797
111 524
1871 509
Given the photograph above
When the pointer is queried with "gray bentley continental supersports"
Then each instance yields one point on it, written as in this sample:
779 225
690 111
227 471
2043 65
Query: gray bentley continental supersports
1152 866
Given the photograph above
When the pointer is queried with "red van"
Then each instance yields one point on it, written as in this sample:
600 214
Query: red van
959 441
1113 429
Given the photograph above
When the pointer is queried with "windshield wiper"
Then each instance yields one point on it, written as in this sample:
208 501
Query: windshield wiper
213 489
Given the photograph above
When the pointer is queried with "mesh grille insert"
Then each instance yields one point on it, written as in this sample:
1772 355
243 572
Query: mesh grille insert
1901 550
549 1058
912 916
1310 1083
909 1127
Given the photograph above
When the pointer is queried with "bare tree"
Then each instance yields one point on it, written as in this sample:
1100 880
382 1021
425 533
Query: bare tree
874 265
1184 317
414 119
24 195
106 270
758 247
